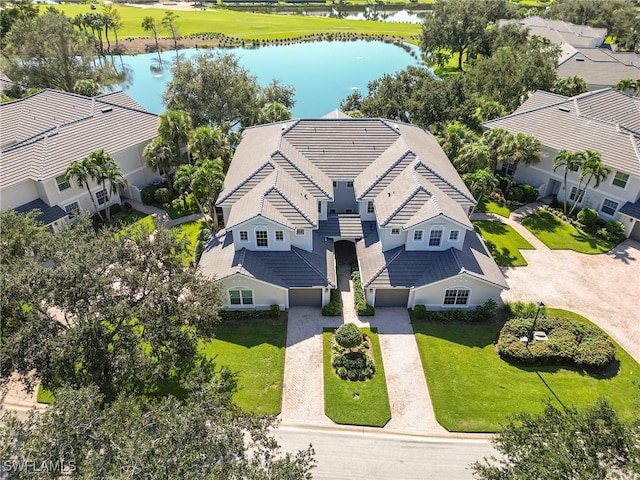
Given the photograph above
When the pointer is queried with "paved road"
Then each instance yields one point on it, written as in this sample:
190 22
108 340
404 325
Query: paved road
357 454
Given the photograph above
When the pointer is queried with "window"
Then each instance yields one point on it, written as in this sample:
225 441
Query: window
349 184
319 207
299 231
620 180
279 236
73 209
456 296
609 207
435 237
395 231
244 236
261 238
370 206
241 297
454 235
335 184
507 168
417 236
575 194
101 197
62 182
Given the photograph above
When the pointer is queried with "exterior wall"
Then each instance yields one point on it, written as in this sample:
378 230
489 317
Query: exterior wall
364 215
344 197
264 294
305 241
17 195
629 224
426 227
254 225
432 296
322 212
390 241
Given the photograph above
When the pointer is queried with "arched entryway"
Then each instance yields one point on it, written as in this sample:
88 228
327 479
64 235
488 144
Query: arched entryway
345 252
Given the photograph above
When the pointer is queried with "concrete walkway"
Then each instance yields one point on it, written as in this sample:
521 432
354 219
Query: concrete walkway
604 288
160 215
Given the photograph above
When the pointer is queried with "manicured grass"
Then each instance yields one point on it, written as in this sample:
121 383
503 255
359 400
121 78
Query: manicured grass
473 390
559 235
189 230
372 407
182 207
506 242
254 349
44 395
126 224
489 206
244 24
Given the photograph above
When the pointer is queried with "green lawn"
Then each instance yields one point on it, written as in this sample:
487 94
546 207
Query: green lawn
254 349
182 207
489 206
473 390
559 235
246 25
506 242
371 408
189 230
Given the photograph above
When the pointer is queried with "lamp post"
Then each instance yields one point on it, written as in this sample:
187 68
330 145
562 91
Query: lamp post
533 325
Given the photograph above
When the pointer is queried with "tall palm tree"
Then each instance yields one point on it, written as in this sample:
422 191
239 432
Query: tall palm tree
454 137
276 112
174 128
525 150
204 180
161 156
591 168
108 174
471 157
207 142
570 161
115 178
82 171
498 141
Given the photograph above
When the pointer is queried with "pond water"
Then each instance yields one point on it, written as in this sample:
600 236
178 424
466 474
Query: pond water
323 73
398 16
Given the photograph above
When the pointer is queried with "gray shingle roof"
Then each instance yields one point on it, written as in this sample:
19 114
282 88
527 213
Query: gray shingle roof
599 66
607 121
43 133
631 209
288 269
47 214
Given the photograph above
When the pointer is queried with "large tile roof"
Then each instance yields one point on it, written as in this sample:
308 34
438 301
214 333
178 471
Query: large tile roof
559 32
599 66
607 121
43 133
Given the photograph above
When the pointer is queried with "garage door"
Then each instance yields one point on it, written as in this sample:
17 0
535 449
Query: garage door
305 297
392 297
635 232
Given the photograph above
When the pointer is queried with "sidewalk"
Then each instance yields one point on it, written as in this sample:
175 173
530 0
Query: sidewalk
160 215
515 221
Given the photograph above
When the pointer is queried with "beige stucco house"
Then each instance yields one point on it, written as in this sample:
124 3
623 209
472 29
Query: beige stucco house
296 188
42 134
606 121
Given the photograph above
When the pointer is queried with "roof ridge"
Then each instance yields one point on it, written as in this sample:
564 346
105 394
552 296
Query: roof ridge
440 177
240 266
299 170
412 194
386 264
313 267
454 253
387 171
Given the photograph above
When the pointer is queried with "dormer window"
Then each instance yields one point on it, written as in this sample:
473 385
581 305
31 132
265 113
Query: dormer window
454 235
299 231
417 236
395 231
370 206
279 236
244 236
262 239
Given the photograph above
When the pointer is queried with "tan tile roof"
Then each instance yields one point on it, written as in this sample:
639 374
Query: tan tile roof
559 32
599 66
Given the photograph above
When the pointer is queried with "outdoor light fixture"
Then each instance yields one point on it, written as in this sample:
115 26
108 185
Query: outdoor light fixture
533 325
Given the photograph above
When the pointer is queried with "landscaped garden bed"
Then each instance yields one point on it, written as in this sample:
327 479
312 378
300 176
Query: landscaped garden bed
503 242
473 390
355 390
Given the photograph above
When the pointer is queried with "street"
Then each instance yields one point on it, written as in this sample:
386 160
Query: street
353 455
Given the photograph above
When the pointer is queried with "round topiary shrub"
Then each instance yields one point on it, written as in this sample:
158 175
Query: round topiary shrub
348 336
588 217
162 195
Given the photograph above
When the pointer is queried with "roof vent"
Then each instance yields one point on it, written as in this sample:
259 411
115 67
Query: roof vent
579 59
564 109
396 126
106 109
284 127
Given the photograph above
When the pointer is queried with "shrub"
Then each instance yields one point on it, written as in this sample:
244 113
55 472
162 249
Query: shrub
147 194
334 307
487 311
420 312
353 366
162 195
348 336
615 229
529 193
588 218
362 307
274 310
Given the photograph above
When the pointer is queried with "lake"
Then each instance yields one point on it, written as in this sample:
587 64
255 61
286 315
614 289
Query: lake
323 73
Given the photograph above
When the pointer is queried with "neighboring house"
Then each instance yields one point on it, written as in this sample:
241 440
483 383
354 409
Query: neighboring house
41 135
606 121
559 32
295 188
599 67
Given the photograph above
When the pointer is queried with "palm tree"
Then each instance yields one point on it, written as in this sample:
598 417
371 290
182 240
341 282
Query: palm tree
161 156
108 174
480 183
525 149
570 161
174 128
498 141
628 85
454 137
591 168
82 171
149 24
471 157
276 112
204 180
206 143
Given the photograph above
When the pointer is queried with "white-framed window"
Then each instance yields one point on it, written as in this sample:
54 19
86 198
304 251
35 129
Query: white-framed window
395 231
435 237
73 209
101 197
349 184
262 238
299 231
620 180
417 235
456 296
575 194
62 182
244 236
507 168
241 296
370 206
454 235
279 236
609 207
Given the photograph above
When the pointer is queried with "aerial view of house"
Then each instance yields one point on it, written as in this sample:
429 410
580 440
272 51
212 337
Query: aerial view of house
606 121
295 188
42 134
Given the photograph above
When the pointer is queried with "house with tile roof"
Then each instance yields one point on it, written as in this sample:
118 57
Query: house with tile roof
606 121
599 67
42 134
561 32
296 189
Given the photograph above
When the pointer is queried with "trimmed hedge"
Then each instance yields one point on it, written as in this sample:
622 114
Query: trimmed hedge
486 312
334 307
362 307
569 343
